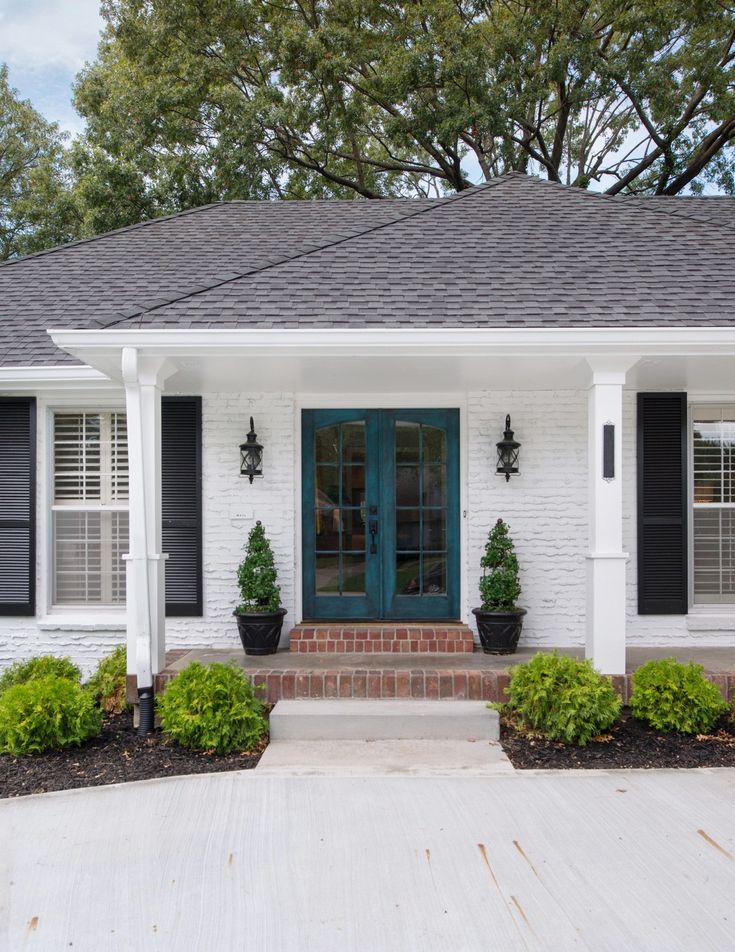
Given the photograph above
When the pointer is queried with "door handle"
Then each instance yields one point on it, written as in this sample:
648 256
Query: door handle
373 526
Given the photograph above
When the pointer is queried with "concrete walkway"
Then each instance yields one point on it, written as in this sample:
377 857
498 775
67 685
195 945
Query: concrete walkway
629 860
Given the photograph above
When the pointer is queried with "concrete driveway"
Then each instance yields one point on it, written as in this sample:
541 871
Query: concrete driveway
629 860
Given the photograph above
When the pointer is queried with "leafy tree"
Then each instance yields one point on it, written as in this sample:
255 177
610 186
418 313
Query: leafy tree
209 99
37 206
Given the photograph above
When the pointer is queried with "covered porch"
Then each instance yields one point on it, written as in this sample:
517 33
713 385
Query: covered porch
475 676
571 390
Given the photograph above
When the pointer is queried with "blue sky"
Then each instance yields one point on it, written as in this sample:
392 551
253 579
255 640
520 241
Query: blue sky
45 43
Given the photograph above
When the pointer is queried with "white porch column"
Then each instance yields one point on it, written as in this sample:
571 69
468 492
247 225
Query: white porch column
146 598
606 559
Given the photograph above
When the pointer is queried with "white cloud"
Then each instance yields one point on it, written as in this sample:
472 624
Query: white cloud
38 34
45 43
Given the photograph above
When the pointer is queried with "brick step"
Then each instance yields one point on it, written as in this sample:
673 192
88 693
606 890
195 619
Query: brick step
377 679
379 638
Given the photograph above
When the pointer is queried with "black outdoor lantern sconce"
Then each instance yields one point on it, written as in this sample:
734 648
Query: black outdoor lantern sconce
251 455
508 449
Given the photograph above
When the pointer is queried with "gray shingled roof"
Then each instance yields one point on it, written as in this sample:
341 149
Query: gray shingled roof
87 284
514 252
718 209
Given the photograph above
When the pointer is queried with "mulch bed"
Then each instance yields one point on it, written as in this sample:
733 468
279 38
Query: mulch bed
116 756
630 743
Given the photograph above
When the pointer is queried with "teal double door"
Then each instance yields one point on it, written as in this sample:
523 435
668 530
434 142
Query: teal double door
380 514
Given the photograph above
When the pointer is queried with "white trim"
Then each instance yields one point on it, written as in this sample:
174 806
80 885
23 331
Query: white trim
701 608
388 401
48 615
409 341
49 378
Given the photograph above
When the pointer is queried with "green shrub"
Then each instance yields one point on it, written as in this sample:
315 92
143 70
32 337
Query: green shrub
562 698
212 707
257 575
46 713
40 667
675 697
499 585
107 684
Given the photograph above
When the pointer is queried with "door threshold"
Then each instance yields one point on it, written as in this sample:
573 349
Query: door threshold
356 622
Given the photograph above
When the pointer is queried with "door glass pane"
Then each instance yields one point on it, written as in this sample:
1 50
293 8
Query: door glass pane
408 485
421 510
408 528
435 487
327 444
434 577
326 526
407 442
353 485
353 442
339 518
434 530
327 487
434 444
327 574
353 530
408 573
353 575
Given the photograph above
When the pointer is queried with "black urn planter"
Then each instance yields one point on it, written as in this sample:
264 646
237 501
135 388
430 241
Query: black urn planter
260 632
499 631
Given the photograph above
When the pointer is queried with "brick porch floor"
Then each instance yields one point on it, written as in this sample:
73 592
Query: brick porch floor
463 675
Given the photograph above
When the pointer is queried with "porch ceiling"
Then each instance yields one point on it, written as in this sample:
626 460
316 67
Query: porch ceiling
405 361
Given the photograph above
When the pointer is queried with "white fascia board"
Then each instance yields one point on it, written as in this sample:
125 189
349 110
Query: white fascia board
188 342
53 378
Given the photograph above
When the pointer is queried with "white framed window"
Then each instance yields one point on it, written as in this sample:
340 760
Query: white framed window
89 508
713 505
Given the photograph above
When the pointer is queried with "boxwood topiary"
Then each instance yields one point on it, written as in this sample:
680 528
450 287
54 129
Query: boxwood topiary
562 698
46 713
107 684
257 576
671 696
212 707
39 667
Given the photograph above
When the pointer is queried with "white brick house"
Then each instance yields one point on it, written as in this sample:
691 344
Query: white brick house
554 306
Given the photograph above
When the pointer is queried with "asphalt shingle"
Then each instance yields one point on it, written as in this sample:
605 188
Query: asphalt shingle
513 252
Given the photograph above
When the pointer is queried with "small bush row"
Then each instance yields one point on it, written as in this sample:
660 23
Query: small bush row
563 699
44 706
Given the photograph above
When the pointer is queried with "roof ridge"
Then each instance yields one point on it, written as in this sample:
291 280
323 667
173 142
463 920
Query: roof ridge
228 279
638 201
201 208
108 234
618 200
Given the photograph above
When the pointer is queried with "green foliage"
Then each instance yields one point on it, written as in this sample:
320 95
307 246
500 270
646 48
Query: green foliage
37 207
257 575
499 585
212 707
46 713
562 698
107 684
676 697
41 666
190 101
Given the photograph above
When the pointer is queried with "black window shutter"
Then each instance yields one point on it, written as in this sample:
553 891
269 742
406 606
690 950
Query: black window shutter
181 473
662 504
17 506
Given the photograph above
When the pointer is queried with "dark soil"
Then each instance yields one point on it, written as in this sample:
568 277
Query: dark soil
630 743
116 756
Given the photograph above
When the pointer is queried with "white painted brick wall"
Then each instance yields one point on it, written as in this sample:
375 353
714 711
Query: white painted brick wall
546 508
232 505
545 505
